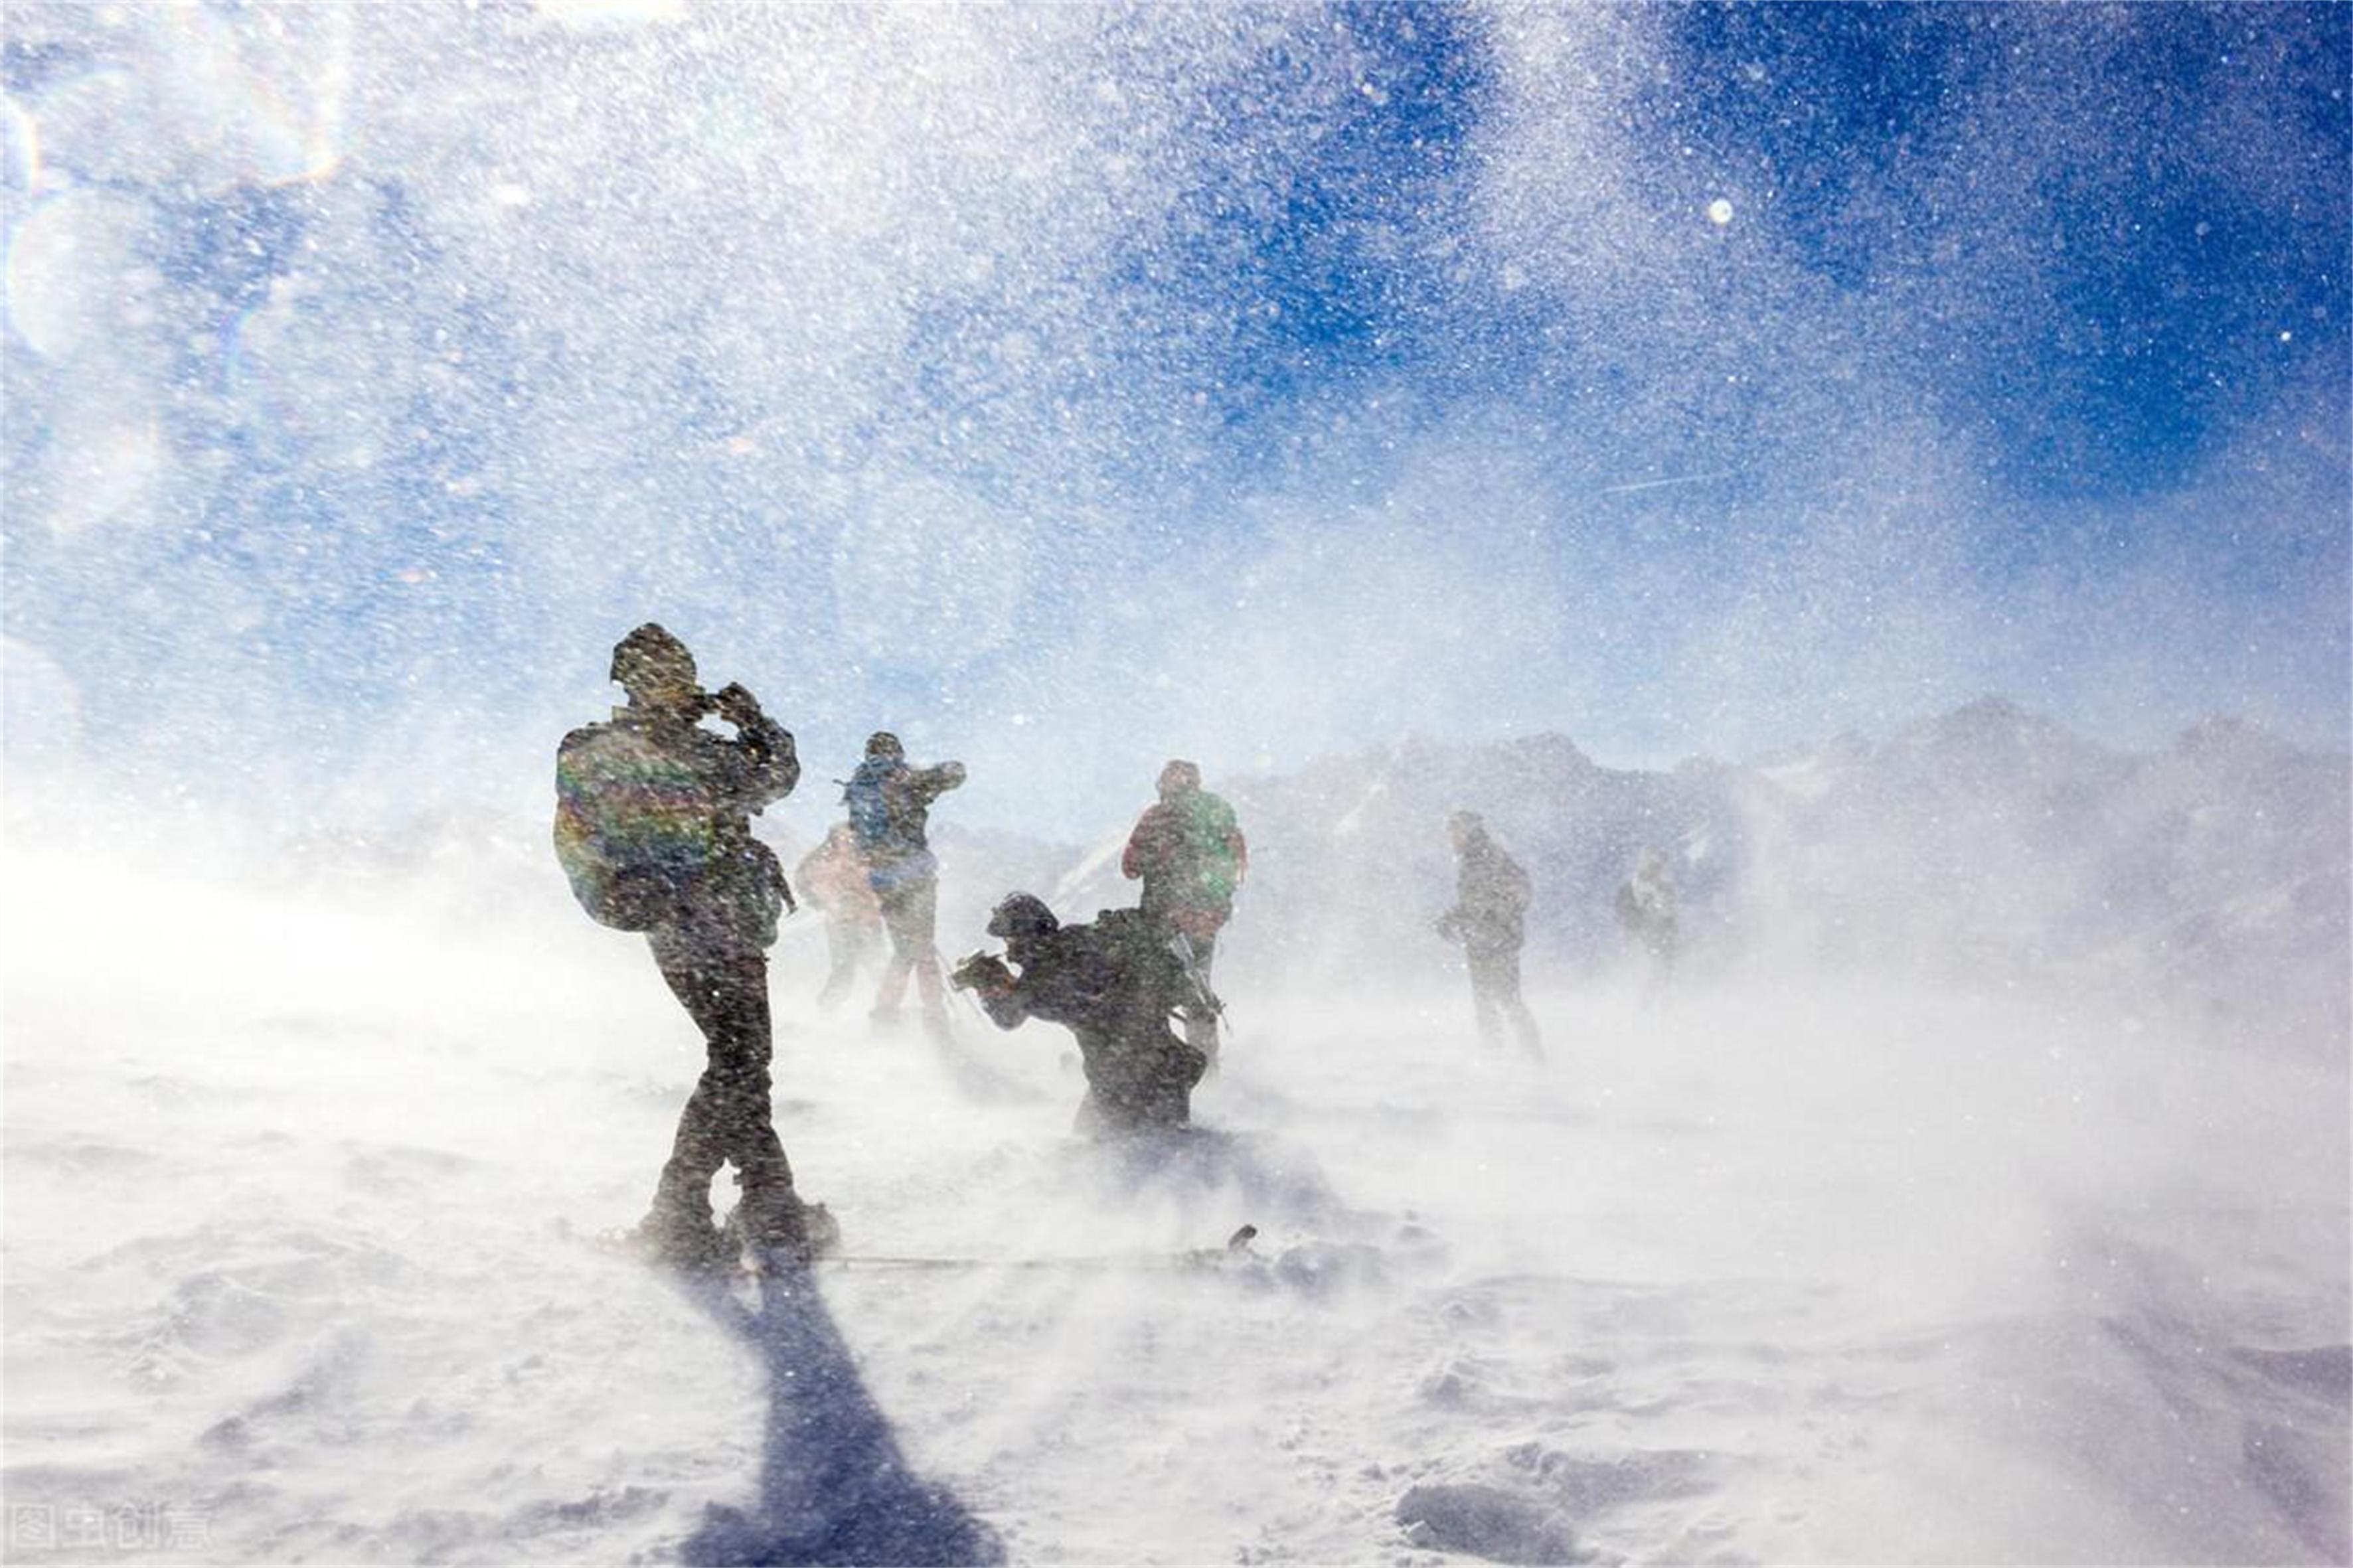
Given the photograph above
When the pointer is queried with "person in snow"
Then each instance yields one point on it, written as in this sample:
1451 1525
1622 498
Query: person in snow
653 827
1115 986
1490 919
890 811
833 877
1646 907
1189 851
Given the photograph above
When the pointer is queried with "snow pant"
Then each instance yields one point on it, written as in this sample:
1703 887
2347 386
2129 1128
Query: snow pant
1495 996
1137 1082
1200 1023
1658 940
910 909
727 1118
850 940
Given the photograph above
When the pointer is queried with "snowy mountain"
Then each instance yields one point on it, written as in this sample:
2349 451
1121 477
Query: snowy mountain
1992 845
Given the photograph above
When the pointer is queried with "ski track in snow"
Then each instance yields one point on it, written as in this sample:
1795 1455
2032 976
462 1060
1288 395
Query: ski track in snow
294 1259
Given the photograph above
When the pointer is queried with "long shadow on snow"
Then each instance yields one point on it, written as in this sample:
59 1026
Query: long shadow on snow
834 1487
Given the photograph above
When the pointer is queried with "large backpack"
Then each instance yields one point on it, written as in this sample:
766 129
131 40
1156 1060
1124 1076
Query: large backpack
633 824
869 809
1210 862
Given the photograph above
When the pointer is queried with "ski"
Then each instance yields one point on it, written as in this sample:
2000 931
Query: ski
757 1261
1237 1249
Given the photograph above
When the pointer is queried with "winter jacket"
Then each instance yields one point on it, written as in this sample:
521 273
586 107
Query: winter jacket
1114 987
833 877
1190 853
889 804
663 809
1491 899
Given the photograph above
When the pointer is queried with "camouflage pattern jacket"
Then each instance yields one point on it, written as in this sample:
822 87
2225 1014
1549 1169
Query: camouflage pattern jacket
653 824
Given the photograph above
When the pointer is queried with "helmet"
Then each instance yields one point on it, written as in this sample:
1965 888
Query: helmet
882 743
650 657
1020 915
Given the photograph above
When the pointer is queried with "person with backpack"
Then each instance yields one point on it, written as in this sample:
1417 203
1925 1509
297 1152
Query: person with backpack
653 829
1189 852
889 806
833 877
1492 894
1115 986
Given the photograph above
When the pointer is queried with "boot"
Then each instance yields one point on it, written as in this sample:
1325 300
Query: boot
677 1232
691 1246
778 1224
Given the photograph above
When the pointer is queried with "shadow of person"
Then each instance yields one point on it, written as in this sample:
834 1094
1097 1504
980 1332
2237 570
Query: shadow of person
834 1487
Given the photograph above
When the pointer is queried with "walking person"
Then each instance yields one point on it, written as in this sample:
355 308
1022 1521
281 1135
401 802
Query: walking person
890 811
1490 919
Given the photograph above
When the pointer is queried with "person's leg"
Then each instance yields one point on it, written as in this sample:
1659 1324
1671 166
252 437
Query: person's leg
730 998
1514 1006
1177 1067
901 962
1200 1023
845 942
921 915
1484 995
728 1117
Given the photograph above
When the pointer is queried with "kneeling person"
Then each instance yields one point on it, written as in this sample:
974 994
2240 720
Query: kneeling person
1112 986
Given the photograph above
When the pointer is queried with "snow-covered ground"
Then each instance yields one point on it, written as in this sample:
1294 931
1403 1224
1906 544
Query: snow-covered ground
296 1195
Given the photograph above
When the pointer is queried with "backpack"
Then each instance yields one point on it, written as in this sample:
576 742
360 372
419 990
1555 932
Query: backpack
1136 947
633 824
870 811
1211 864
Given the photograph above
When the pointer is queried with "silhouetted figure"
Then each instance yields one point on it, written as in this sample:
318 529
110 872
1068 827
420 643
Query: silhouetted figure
833 877
890 810
1490 919
1115 986
1647 908
1190 853
653 827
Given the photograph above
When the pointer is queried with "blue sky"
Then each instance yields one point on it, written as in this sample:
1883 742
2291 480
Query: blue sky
1068 388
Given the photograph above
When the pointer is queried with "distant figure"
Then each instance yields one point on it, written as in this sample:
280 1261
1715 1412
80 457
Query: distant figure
1490 919
890 812
653 827
1190 853
1646 907
833 877
1114 985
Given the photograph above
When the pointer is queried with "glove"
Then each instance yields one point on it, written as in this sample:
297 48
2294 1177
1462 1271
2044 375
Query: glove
735 703
982 971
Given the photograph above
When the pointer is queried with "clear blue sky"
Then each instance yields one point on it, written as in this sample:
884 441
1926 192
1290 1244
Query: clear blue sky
1068 388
